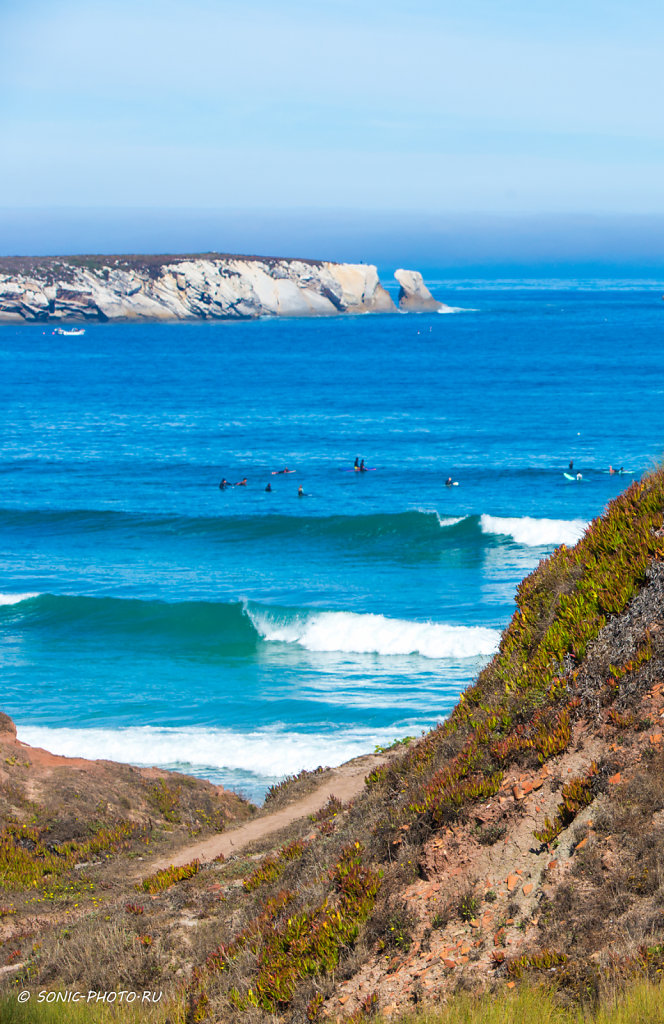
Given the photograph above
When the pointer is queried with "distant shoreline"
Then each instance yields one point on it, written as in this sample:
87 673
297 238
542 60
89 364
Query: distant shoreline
208 286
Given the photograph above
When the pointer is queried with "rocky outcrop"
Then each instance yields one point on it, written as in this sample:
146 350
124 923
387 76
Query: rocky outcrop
414 296
7 727
184 288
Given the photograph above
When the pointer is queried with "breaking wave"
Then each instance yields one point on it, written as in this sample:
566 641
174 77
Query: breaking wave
347 632
271 752
535 532
211 626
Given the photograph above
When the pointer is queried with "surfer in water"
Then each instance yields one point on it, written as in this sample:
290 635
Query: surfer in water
363 468
571 465
224 484
241 483
300 492
448 482
278 472
356 465
579 476
269 487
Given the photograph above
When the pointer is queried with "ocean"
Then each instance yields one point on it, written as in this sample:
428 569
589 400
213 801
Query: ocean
239 634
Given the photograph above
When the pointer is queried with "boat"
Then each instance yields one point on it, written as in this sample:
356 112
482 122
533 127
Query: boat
74 332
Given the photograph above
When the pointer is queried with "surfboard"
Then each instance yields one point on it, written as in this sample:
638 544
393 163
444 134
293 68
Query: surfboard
568 476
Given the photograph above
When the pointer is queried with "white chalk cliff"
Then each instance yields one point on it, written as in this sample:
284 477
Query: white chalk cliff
184 288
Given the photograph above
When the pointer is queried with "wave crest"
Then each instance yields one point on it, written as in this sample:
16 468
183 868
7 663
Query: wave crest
535 532
389 534
352 633
212 627
6 599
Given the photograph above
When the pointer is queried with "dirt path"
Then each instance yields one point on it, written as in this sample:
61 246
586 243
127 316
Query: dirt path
344 783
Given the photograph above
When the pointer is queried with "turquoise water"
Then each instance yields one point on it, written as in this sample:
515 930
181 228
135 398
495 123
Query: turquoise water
240 635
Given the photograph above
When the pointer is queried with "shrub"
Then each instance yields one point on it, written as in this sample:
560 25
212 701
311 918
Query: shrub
166 799
273 867
576 794
166 877
27 859
468 906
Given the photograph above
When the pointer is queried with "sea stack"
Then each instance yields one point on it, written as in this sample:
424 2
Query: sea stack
414 296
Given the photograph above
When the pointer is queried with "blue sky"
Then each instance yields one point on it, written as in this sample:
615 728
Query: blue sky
513 109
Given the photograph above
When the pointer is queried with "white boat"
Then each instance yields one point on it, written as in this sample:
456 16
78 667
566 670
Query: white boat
74 332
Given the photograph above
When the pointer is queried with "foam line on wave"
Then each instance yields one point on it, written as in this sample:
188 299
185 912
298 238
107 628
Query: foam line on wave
420 526
353 633
532 532
199 624
11 599
443 521
269 752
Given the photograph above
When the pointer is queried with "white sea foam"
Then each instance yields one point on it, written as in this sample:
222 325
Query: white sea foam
535 532
449 521
270 752
15 598
457 309
350 633
443 521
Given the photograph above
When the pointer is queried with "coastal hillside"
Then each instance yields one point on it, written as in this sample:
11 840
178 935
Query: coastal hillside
208 286
520 843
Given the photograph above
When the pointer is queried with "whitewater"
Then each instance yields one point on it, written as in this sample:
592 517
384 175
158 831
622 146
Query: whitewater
244 634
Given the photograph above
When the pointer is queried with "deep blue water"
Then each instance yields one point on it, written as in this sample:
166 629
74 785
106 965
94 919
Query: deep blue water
241 634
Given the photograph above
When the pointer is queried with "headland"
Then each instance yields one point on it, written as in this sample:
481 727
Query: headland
204 286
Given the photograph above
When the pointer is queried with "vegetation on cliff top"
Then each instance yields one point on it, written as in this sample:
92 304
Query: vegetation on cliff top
53 267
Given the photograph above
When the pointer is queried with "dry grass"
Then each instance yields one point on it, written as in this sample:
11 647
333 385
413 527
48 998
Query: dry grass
293 787
93 1012
642 1004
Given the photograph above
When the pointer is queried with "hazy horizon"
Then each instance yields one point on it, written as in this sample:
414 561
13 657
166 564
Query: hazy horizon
460 246
474 139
